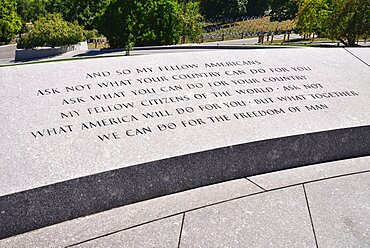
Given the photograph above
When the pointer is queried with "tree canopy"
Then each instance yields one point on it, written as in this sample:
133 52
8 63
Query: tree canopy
348 20
282 10
86 13
30 10
141 22
345 20
312 15
224 9
10 22
190 21
159 22
257 7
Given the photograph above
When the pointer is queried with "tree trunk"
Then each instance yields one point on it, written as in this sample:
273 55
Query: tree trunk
351 41
343 42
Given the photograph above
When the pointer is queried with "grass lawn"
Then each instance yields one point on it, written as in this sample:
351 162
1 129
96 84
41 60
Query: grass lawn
262 24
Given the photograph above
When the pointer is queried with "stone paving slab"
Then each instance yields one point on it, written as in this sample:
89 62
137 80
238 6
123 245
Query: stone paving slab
313 172
232 214
277 218
162 233
274 219
361 53
75 231
340 209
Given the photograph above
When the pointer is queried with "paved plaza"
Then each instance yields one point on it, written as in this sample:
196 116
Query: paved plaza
69 201
324 205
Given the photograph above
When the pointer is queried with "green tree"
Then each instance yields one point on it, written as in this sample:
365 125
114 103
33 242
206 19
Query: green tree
30 10
52 30
349 19
141 22
86 13
282 10
190 21
345 20
223 8
10 22
257 7
312 15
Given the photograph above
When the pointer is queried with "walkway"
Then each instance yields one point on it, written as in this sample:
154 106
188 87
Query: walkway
324 205
7 54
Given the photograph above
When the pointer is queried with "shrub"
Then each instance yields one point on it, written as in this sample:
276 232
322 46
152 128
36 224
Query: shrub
90 34
52 30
